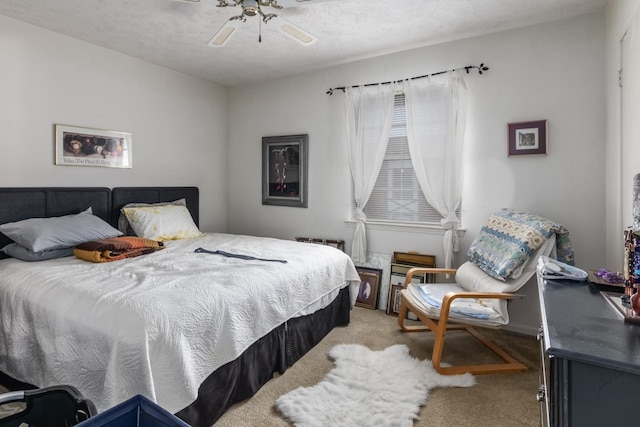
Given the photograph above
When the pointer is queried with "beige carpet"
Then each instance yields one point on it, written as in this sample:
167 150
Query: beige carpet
496 400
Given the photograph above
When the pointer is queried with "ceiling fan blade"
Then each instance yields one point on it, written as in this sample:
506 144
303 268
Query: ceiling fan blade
222 36
294 3
291 30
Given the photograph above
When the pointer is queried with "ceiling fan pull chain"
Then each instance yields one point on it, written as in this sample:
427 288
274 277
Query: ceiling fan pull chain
259 30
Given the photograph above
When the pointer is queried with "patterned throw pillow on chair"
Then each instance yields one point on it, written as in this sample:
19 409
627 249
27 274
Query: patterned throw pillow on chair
509 237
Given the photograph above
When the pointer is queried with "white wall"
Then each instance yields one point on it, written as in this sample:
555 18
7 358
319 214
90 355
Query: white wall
183 135
553 71
178 122
618 179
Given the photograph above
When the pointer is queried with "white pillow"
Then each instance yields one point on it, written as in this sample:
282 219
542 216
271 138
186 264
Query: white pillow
168 222
123 223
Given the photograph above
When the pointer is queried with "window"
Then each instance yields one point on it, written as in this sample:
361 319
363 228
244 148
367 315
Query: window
397 196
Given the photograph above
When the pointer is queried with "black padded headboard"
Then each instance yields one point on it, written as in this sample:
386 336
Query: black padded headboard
18 203
123 195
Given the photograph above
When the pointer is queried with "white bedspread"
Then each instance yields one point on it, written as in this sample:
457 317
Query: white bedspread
158 324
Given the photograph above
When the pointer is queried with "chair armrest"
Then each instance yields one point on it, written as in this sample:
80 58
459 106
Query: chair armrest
448 298
422 270
12 396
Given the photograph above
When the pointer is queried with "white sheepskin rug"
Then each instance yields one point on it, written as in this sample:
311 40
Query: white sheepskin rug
367 388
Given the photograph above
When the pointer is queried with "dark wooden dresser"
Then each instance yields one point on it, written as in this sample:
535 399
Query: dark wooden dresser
590 370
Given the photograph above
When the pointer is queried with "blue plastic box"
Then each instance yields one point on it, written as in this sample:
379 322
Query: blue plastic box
135 412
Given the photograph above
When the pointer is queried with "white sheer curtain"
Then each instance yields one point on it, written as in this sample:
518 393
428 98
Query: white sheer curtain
368 110
435 146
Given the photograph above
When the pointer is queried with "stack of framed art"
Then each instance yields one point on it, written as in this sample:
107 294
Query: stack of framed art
401 263
371 280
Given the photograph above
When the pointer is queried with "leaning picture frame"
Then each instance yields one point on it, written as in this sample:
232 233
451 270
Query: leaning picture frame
81 146
527 138
284 170
369 287
396 283
393 305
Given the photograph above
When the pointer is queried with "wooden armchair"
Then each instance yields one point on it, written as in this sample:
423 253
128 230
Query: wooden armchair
475 300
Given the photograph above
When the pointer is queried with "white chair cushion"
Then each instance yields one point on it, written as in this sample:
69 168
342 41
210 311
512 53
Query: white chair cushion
470 311
472 307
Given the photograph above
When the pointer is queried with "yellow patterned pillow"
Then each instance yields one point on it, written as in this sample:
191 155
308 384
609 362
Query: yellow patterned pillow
168 222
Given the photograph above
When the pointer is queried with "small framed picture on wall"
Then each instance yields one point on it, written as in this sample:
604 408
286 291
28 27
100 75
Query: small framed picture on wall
528 138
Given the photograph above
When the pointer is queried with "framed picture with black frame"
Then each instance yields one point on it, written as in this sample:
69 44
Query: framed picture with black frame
284 170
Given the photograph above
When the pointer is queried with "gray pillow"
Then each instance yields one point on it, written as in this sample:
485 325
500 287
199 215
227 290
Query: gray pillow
44 234
123 222
14 250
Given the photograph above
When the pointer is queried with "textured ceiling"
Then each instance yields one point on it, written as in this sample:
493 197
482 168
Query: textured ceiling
175 33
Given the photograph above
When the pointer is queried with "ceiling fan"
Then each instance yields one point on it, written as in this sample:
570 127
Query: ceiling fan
252 8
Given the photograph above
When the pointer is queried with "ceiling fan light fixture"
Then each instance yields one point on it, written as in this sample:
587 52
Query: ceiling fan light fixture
251 11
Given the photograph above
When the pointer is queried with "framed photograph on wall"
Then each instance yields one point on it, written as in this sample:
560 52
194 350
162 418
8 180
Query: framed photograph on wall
528 138
80 146
369 287
284 170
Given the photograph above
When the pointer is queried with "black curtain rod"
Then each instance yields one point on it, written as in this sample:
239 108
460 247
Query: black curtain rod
480 68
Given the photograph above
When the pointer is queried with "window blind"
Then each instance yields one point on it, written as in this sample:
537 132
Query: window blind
397 196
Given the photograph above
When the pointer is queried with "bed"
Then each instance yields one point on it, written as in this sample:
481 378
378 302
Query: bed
197 326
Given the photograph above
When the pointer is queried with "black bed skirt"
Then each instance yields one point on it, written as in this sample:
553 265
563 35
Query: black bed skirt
275 352
242 378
